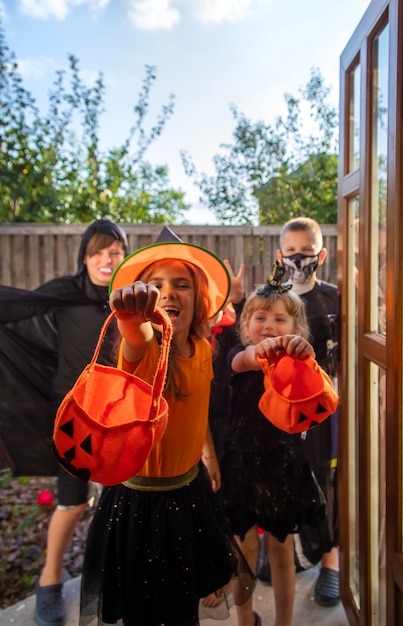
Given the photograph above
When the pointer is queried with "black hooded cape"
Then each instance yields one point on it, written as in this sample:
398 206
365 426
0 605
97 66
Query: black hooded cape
47 337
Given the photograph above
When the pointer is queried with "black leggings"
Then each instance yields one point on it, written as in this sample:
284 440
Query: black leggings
71 491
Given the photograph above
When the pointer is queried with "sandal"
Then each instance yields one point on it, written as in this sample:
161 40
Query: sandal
212 600
49 609
258 619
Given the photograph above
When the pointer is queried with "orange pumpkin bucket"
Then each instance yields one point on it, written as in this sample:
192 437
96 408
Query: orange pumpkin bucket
298 394
107 425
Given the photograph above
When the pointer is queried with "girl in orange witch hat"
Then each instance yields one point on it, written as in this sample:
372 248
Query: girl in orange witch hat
158 543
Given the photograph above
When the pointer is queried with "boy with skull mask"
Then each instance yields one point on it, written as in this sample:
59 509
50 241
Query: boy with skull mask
301 253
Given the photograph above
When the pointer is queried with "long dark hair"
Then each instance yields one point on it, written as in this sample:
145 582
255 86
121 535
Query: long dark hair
199 326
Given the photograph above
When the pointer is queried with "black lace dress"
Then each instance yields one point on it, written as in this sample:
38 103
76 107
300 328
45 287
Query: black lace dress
267 479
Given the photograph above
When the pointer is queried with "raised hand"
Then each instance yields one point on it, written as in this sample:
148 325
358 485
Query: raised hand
136 301
237 292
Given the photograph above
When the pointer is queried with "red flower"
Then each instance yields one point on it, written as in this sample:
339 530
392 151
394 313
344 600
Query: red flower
45 498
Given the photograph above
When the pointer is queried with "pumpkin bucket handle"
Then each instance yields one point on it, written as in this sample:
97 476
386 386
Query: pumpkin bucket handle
162 364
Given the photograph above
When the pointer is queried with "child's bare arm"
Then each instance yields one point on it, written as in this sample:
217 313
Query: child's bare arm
134 306
246 360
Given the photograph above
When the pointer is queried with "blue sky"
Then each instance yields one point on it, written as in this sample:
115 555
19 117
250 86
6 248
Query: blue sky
208 53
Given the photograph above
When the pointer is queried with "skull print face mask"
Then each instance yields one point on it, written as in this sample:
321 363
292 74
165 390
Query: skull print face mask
300 267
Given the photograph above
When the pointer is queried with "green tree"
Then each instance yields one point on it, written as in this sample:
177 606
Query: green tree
52 168
272 172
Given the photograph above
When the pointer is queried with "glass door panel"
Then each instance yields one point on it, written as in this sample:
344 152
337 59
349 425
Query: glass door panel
354 119
352 399
379 180
377 493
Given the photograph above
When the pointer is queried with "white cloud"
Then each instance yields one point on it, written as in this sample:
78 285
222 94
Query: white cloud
35 69
3 12
216 11
58 9
152 14
89 77
147 15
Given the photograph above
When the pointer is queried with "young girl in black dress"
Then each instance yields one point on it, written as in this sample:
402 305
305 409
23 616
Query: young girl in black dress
267 480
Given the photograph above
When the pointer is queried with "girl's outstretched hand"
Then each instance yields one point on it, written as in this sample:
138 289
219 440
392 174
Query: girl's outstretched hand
135 302
294 345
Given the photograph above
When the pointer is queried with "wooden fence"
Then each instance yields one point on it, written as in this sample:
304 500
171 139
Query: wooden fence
31 254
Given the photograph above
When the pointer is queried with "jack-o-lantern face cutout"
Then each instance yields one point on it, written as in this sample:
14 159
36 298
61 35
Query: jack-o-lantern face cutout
298 395
69 457
105 441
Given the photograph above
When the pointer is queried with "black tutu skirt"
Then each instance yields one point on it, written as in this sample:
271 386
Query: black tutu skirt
280 504
151 555
267 478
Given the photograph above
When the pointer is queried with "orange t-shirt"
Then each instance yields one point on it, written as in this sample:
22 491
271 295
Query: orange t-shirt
182 443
